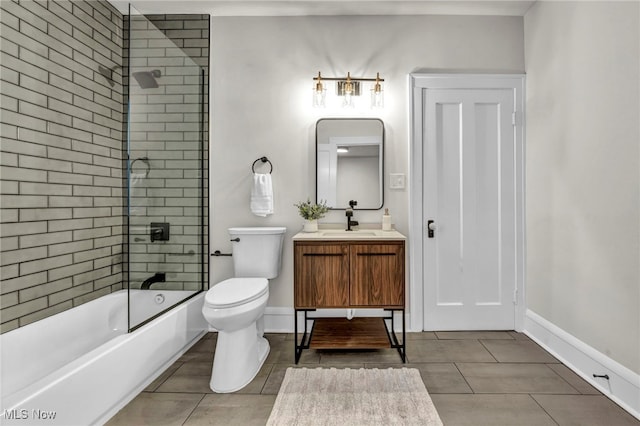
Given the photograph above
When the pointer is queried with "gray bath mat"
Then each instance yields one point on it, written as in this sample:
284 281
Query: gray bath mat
345 397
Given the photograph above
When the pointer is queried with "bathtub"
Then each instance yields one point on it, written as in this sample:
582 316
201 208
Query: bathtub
80 367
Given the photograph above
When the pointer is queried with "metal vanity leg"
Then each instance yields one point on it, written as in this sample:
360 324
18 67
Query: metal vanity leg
404 339
391 333
295 335
306 337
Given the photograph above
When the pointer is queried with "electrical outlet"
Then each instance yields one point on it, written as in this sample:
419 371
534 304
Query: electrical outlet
396 180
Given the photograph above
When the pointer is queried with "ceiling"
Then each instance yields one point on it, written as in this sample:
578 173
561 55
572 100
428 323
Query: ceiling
327 7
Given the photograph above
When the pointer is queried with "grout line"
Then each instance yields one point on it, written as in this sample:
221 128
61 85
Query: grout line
542 408
194 408
473 392
169 376
567 381
267 379
487 349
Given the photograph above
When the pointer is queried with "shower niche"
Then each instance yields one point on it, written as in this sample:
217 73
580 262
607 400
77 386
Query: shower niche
166 162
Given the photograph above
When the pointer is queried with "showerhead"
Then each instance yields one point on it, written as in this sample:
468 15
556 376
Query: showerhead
108 73
147 79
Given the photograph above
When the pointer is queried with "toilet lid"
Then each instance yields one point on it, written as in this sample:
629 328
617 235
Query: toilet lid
236 291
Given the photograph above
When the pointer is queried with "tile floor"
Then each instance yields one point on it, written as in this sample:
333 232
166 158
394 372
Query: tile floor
474 378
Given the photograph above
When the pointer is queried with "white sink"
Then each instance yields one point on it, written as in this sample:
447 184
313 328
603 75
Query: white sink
348 234
343 235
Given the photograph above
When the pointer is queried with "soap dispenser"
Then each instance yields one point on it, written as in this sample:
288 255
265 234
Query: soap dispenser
386 220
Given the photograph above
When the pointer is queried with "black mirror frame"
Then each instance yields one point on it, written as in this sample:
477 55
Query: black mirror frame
383 160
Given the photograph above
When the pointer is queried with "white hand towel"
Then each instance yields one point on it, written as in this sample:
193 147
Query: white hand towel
262 195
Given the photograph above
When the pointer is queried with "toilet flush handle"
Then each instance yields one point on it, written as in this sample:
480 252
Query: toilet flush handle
236 239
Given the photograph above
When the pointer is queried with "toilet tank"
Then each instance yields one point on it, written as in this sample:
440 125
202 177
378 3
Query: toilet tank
258 251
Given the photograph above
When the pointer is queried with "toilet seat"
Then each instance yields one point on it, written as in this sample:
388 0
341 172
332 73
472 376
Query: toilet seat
235 292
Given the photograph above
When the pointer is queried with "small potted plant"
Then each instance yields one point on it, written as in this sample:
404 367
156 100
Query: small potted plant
311 212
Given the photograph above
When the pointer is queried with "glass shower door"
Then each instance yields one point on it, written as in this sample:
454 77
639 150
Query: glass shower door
166 155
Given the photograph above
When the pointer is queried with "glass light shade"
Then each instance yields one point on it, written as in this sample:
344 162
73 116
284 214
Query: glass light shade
377 97
347 100
319 98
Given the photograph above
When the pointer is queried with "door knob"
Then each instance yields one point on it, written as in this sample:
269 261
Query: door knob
431 227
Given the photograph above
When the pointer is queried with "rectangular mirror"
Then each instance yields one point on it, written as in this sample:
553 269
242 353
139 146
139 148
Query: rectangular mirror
349 162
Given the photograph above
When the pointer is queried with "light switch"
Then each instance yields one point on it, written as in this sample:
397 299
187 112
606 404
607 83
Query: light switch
396 180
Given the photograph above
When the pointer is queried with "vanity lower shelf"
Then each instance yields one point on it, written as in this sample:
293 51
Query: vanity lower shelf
341 333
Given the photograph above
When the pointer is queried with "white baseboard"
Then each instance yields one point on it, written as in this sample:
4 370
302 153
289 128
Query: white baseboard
280 320
623 386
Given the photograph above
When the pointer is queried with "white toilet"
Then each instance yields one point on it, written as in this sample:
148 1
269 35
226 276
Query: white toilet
235 307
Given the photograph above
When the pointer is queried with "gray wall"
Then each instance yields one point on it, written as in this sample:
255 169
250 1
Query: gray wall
583 172
61 157
62 231
263 69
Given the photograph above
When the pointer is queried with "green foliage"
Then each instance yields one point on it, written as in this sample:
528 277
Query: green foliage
311 211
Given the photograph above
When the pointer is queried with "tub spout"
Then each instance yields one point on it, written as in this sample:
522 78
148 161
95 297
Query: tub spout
159 277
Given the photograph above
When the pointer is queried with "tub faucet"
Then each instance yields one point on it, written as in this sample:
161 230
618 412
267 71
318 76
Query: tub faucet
349 214
159 277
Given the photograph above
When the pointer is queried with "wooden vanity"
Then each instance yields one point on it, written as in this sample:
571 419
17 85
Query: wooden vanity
335 269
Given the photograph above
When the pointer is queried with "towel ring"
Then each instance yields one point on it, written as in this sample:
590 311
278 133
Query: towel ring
145 160
264 160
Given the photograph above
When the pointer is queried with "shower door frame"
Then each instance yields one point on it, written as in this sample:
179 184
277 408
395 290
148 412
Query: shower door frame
204 256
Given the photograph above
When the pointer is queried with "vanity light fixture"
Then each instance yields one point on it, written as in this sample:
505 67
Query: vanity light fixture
348 87
342 149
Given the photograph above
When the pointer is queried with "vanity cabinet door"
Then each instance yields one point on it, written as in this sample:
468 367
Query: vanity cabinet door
321 275
377 274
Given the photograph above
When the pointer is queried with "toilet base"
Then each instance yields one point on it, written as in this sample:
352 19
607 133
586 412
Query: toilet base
239 356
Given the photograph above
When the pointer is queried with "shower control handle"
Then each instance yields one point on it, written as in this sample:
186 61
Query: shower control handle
236 239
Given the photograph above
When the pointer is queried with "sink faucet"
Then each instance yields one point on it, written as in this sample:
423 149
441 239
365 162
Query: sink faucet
349 214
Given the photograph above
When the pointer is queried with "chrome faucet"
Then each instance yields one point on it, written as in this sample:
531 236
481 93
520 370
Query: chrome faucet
349 214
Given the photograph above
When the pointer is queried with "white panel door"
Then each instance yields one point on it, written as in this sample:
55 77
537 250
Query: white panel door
469 194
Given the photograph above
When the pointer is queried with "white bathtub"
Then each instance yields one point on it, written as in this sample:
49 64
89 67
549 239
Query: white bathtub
80 367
